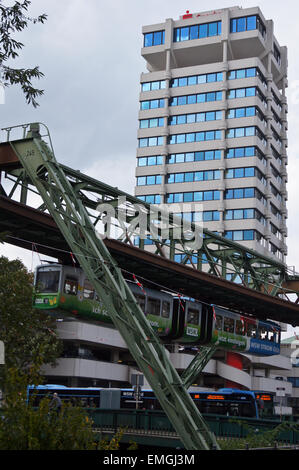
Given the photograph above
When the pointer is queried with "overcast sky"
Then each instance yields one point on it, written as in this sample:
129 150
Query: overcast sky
89 51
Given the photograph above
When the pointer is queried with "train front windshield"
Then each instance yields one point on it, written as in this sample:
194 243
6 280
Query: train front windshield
47 281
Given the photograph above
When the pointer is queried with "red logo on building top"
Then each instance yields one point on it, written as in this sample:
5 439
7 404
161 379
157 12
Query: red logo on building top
187 15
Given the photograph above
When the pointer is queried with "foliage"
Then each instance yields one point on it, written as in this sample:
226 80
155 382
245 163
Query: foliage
28 334
113 444
257 438
23 427
13 19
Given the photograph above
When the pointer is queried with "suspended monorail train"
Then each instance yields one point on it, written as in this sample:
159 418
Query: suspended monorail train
65 290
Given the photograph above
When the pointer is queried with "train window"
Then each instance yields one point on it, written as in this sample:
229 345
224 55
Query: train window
229 324
153 306
193 316
88 290
71 286
262 333
165 309
141 301
47 281
273 336
240 330
251 330
218 324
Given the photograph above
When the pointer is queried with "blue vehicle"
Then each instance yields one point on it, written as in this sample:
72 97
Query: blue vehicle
226 402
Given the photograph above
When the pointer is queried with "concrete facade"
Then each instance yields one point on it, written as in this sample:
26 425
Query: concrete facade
188 128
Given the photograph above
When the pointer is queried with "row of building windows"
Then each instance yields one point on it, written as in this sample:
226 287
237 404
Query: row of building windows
204 78
276 212
204 98
149 180
194 137
190 177
244 193
196 79
206 175
152 104
247 23
246 93
234 214
150 141
194 156
246 132
247 73
197 31
194 117
237 152
240 214
246 172
154 39
203 216
193 196
191 118
197 196
150 123
242 152
156 85
150 161
248 111
151 198
276 193
195 98
240 235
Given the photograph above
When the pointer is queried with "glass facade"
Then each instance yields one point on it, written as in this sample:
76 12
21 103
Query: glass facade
154 39
197 31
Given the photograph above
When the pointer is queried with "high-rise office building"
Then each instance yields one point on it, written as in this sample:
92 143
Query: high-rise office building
213 122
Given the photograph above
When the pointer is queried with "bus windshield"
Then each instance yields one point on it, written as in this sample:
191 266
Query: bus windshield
47 281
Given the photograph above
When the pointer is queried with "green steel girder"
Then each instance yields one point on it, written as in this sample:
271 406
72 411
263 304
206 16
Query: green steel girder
78 230
217 255
198 363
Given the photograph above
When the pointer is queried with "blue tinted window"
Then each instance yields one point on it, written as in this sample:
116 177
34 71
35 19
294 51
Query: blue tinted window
148 39
239 152
192 80
249 151
250 91
188 197
191 99
194 32
251 22
249 192
183 81
142 161
240 73
190 137
184 34
157 38
213 29
251 72
240 93
238 193
203 30
241 24
248 235
182 100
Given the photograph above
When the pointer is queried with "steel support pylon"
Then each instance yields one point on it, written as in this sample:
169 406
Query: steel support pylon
105 275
